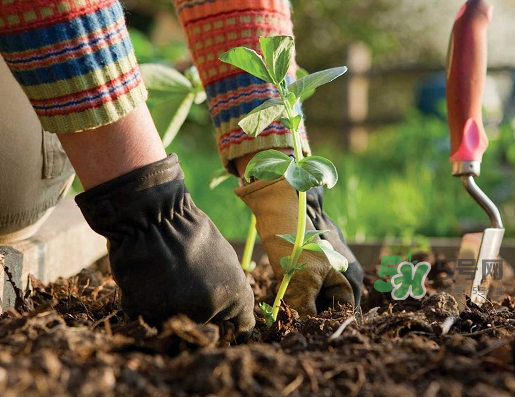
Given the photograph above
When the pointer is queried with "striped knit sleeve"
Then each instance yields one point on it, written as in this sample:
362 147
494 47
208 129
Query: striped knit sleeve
215 26
74 60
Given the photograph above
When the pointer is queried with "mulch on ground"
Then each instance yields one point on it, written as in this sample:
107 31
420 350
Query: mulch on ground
71 338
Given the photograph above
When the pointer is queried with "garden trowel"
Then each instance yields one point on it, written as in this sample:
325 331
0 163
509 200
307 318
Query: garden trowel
466 75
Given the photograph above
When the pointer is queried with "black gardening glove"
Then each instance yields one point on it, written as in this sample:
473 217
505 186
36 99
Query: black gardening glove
166 255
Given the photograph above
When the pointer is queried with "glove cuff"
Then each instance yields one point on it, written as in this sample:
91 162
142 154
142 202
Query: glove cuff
112 201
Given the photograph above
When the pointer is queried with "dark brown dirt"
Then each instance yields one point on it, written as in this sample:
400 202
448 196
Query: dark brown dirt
70 338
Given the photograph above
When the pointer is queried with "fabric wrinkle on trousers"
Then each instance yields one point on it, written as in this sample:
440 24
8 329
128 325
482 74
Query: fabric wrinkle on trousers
34 170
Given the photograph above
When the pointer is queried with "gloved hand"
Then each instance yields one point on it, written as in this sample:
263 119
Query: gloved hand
318 286
166 255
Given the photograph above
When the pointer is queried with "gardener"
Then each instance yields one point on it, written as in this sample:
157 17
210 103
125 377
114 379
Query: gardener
75 63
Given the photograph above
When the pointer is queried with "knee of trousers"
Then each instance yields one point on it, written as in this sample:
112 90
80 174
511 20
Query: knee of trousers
32 182
34 170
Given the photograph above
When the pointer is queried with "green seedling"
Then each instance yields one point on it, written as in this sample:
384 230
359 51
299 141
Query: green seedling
247 263
171 96
303 173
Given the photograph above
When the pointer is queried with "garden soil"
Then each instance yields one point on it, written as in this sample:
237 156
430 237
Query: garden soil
70 338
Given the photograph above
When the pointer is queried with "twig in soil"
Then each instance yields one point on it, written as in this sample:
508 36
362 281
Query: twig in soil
484 331
106 318
495 346
423 371
341 328
360 381
292 386
107 326
371 314
311 374
338 370
432 390
358 313
498 364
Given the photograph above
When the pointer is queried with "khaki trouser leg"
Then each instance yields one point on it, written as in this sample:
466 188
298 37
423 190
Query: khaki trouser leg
34 170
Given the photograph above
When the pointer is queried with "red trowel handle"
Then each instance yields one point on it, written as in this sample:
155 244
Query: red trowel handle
466 73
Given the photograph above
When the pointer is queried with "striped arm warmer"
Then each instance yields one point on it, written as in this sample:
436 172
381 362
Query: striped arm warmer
215 26
74 60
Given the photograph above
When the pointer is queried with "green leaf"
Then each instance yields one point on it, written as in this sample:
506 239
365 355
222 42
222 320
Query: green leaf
200 96
285 263
309 235
278 53
299 178
288 237
162 78
308 83
292 124
313 247
248 60
285 121
277 101
217 177
322 169
300 267
193 76
291 99
268 165
178 118
296 121
301 72
169 114
267 313
254 123
337 260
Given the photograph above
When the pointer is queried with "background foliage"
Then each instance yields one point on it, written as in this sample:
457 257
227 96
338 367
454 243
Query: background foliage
401 185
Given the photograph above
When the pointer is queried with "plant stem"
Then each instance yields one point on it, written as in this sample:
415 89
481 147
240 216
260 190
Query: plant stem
297 250
301 215
249 245
280 294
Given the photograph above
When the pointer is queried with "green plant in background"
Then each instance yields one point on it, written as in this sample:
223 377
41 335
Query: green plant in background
302 173
171 96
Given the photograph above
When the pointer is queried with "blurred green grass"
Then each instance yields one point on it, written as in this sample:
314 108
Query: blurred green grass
401 186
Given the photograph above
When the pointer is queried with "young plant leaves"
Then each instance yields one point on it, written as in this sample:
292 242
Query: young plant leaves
285 263
288 237
277 101
291 125
163 79
322 169
337 260
248 60
302 87
254 123
278 52
178 119
268 165
299 178
309 235
300 74
267 313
